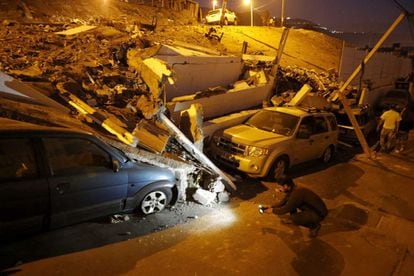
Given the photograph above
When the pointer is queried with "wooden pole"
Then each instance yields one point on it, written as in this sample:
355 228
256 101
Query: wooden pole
342 94
276 62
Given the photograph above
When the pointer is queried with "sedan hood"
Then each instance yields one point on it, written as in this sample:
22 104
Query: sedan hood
145 173
247 135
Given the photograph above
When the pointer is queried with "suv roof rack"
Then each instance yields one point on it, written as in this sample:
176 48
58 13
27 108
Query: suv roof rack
309 109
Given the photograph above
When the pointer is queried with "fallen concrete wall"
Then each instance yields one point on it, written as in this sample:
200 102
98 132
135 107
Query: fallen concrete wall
195 70
242 97
13 89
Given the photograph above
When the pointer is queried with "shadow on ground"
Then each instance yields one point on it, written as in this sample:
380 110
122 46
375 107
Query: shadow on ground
97 233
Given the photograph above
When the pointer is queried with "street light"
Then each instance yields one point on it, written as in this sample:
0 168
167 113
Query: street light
282 16
214 4
247 2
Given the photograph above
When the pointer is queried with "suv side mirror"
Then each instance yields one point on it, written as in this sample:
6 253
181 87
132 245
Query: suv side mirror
115 165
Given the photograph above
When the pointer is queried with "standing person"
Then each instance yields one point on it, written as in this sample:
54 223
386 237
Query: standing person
406 124
305 207
389 121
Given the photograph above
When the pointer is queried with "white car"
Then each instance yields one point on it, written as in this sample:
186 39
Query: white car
274 139
214 17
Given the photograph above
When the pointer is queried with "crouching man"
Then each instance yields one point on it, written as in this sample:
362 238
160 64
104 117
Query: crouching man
304 206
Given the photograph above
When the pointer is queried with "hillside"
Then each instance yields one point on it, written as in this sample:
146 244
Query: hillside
304 48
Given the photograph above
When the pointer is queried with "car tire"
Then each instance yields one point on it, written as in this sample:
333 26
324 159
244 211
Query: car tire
278 169
327 154
155 201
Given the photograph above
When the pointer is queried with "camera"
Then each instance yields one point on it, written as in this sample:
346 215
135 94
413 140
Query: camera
262 209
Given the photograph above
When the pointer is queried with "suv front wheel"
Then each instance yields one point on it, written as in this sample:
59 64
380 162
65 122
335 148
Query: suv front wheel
279 168
327 154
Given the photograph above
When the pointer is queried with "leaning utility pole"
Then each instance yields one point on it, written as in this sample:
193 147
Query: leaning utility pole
276 63
342 94
223 8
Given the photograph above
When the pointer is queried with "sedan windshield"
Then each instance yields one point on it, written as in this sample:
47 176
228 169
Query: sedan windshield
277 122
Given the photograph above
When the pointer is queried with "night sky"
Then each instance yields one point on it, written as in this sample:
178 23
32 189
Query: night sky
341 15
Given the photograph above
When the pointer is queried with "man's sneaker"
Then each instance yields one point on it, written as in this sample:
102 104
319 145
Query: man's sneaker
313 232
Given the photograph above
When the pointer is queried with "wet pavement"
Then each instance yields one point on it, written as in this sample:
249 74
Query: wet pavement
368 231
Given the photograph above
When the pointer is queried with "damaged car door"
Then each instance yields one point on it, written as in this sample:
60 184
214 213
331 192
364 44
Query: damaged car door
84 183
24 192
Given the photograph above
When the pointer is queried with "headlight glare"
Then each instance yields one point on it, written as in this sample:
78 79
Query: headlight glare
256 151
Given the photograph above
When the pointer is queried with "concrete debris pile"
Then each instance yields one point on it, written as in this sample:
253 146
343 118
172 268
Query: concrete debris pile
105 74
323 83
113 76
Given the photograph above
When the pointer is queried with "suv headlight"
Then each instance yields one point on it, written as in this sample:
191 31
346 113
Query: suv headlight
256 151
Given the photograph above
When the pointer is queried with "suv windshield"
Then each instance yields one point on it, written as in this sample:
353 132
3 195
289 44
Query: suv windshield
274 121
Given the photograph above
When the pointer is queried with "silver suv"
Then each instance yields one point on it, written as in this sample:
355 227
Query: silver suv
274 139
214 17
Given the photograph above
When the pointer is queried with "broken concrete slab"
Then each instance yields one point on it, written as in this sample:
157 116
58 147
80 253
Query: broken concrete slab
13 89
191 123
153 71
204 197
223 197
151 136
190 68
218 105
32 72
147 105
72 32
300 95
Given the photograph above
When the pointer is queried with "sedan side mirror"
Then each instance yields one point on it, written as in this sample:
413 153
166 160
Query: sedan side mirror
115 165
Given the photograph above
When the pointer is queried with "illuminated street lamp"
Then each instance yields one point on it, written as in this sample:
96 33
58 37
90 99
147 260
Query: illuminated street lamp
214 4
247 2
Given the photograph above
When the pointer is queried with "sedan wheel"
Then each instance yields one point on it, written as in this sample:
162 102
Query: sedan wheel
154 201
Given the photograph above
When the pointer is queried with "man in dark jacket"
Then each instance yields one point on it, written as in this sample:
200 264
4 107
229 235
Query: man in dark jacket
305 207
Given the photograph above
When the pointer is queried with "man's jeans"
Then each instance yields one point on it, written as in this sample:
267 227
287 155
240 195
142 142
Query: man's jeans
387 139
307 218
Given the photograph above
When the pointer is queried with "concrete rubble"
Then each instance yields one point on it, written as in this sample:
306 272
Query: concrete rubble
111 75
